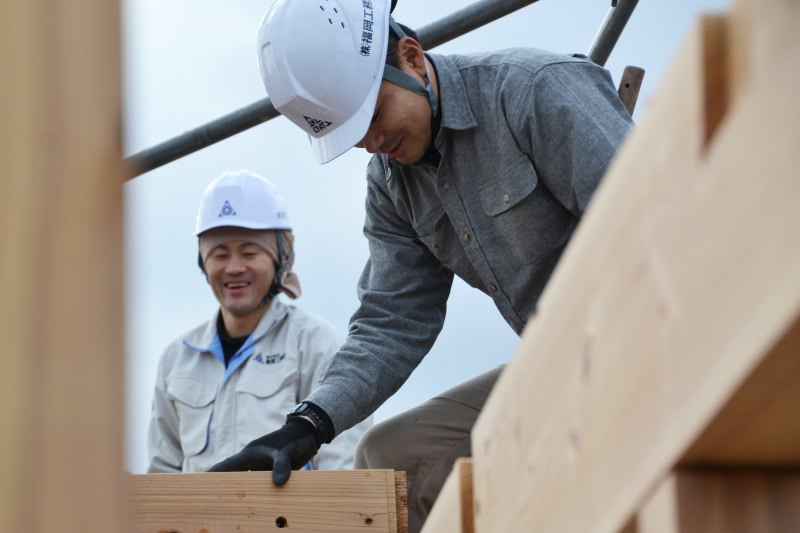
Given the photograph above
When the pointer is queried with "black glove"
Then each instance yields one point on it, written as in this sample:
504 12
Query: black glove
287 448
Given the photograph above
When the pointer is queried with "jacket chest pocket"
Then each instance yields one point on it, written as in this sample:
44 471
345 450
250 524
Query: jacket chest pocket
262 401
194 401
525 215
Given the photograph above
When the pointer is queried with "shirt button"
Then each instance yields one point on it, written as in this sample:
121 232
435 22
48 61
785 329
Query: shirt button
467 237
493 287
434 245
445 185
506 198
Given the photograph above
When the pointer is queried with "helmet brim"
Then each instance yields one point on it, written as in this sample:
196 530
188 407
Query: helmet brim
348 134
334 143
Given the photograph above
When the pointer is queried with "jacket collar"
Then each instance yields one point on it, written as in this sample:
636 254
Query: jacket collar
204 338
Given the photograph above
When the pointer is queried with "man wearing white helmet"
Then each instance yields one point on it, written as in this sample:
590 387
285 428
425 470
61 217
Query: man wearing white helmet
234 378
483 167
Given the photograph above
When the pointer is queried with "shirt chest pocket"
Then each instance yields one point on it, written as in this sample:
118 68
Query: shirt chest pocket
194 402
262 401
511 187
438 234
525 215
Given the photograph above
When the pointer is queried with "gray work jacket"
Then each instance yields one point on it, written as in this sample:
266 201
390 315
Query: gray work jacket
525 137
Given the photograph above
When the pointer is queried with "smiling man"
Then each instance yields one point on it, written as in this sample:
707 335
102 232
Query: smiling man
235 377
483 166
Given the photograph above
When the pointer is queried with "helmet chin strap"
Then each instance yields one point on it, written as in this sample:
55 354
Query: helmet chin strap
406 81
275 288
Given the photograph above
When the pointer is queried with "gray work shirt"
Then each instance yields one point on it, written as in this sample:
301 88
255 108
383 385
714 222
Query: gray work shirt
525 137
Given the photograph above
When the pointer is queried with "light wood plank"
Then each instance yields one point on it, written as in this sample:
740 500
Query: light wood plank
723 501
765 32
453 511
760 423
676 286
61 270
248 502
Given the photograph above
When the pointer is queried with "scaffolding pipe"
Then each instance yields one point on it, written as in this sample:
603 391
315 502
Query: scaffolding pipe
430 36
200 137
465 20
609 32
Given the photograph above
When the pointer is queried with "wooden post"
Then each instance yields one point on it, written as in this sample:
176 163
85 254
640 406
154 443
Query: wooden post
61 269
454 511
629 86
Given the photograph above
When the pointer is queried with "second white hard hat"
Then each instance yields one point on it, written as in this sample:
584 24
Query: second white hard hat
241 199
322 65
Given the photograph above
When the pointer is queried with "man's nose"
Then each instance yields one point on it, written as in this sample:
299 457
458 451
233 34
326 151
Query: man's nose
235 265
371 142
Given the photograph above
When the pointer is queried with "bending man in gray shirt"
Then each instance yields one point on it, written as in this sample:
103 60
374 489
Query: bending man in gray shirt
482 168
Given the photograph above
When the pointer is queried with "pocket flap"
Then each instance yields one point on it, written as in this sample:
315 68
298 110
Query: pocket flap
192 392
264 384
513 185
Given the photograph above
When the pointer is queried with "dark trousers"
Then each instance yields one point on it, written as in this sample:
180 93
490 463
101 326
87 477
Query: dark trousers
425 442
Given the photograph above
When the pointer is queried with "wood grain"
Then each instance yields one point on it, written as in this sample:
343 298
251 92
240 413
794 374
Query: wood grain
355 500
723 501
681 280
453 511
61 281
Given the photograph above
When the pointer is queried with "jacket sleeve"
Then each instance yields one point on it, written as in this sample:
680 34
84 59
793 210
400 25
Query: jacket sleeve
403 293
163 442
571 122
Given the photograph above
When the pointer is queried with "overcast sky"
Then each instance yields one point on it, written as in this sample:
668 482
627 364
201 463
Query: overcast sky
191 61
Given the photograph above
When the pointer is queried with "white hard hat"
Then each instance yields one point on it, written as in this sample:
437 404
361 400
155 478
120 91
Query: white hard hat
242 199
322 64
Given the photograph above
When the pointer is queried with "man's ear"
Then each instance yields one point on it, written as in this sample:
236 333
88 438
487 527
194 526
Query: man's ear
411 55
202 267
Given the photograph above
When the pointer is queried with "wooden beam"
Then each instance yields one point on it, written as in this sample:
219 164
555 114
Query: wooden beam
765 32
723 501
248 502
677 285
61 384
453 511
760 424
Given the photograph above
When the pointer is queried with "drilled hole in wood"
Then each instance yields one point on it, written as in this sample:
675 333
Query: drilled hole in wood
368 520
281 522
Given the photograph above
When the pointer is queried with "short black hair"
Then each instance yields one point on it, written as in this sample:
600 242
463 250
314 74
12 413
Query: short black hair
391 49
